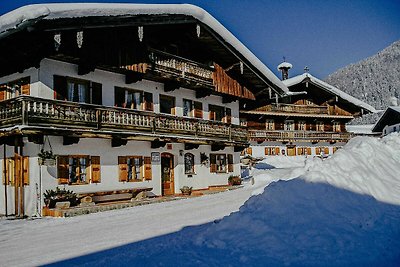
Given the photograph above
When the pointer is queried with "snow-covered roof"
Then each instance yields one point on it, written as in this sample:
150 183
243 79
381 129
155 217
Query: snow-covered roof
300 78
284 65
19 18
391 116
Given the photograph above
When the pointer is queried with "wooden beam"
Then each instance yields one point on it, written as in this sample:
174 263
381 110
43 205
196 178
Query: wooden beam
228 99
203 93
36 139
217 147
116 142
157 143
170 86
68 140
133 77
190 146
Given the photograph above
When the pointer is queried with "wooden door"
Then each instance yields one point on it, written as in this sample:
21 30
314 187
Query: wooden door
167 174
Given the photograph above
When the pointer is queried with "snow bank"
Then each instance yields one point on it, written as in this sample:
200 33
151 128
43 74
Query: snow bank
343 211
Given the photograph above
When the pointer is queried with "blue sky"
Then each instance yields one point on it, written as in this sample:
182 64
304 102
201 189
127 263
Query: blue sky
323 35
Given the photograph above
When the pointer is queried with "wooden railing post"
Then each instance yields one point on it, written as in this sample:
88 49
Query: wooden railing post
24 115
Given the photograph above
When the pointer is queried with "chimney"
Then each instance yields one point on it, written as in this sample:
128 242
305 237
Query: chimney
284 67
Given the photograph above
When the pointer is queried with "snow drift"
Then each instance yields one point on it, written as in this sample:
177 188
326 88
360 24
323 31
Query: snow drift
338 212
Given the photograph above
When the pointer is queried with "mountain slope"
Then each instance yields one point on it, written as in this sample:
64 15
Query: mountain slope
375 80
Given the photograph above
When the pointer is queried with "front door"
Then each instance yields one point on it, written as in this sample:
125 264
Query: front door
167 174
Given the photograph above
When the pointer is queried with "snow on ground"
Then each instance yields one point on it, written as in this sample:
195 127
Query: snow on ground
341 211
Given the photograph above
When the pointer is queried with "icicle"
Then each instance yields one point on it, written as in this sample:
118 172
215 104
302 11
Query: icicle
57 41
140 33
79 38
198 30
241 67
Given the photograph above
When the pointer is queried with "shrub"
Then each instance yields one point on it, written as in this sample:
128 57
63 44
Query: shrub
234 180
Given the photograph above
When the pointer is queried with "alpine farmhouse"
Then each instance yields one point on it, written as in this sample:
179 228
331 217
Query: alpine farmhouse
308 121
124 97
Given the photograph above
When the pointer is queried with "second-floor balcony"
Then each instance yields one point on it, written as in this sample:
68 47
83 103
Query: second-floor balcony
50 114
306 136
291 108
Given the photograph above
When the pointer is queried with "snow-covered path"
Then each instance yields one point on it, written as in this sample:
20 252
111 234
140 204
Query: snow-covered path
36 242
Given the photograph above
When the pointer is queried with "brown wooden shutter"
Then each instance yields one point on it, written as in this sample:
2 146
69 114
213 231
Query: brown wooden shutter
3 91
62 169
317 151
96 171
230 163
326 150
25 174
147 168
277 150
60 87
213 163
250 151
123 169
198 110
97 94
228 115
148 101
308 150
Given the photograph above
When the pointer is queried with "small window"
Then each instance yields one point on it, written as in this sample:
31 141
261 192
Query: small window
219 163
217 113
167 104
269 125
289 125
187 108
78 91
134 168
302 125
189 163
336 126
320 126
77 170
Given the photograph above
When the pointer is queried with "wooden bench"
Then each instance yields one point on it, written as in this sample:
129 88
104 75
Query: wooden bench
116 195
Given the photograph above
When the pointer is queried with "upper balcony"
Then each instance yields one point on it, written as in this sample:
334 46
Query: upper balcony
300 136
57 116
204 78
291 108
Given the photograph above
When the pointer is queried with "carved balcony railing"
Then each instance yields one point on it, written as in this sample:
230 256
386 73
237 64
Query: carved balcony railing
290 108
33 111
299 136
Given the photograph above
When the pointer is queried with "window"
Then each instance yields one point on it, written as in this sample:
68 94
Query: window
78 169
289 125
133 99
221 163
319 126
302 125
192 109
189 163
269 125
218 113
13 166
134 168
272 151
76 90
336 126
167 104
304 151
15 88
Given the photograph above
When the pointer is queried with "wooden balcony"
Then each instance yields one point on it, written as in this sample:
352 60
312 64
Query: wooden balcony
290 108
54 114
305 136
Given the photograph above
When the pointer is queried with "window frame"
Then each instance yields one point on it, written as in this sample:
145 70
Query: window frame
192 160
88 174
126 91
270 125
170 98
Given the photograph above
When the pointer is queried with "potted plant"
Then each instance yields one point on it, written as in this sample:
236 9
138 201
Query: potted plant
186 190
234 180
51 197
46 158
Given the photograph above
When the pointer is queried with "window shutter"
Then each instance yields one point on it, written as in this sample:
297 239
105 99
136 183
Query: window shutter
250 151
147 168
25 89
317 151
60 87
148 101
212 115
11 171
326 150
277 150
198 110
228 114
123 169
97 93
3 88
96 171
308 150
230 163
62 169
25 174
213 163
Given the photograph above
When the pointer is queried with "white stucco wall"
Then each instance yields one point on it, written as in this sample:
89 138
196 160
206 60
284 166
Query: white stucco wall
391 129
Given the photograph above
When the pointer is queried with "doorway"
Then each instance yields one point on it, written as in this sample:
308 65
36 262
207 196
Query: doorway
167 174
